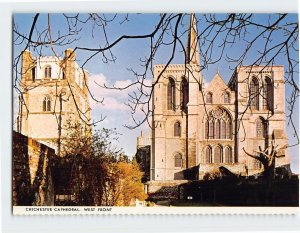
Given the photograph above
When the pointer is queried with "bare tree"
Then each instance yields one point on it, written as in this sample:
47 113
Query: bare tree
263 41
267 156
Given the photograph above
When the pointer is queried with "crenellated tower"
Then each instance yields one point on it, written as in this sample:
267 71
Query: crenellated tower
54 91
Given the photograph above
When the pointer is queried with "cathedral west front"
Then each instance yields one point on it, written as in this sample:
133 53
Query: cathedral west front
203 126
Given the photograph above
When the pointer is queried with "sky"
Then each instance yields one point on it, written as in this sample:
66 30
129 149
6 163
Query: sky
129 54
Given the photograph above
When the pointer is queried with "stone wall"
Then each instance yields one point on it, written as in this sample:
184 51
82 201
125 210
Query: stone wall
164 190
32 172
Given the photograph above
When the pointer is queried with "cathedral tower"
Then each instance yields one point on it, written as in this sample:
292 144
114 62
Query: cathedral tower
174 122
202 127
54 91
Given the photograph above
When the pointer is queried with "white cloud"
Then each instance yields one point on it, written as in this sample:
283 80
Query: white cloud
123 83
113 99
110 97
111 103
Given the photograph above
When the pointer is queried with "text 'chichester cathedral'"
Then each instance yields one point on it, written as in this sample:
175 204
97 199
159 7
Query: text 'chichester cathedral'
204 126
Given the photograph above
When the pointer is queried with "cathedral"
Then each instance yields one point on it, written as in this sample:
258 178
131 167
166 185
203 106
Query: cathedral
54 92
203 126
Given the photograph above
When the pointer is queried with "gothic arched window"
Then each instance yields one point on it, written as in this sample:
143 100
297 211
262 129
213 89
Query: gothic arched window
184 94
33 70
209 98
226 98
223 129
46 104
178 160
254 94
218 129
171 94
218 157
261 128
48 71
268 94
218 125
207 129
208 155
211 129
177 129
228 130
228 155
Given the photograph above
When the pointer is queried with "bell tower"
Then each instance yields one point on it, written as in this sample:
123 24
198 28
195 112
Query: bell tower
175 113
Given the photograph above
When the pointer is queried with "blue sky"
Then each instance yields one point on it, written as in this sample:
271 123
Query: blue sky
128 55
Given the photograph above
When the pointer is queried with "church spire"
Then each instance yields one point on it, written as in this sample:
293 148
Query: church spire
192 44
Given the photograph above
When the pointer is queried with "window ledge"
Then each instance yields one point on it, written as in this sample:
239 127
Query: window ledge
260 138
216 139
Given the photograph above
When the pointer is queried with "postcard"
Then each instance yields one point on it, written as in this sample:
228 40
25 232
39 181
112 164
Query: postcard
155 113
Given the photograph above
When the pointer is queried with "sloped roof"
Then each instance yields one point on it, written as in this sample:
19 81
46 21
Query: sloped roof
217 83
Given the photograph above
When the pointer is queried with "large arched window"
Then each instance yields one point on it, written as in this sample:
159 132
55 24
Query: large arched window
218 125
218 129
206 129
177 129
254 94
171 94
228 155
218 157
211 132
184 94
228 129
209 98
261 128
268 94
223 129
226 98
48 71
208 155
33 70
47 104
178 160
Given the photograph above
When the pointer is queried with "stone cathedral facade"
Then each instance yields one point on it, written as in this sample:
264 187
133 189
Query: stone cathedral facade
203 126
54 91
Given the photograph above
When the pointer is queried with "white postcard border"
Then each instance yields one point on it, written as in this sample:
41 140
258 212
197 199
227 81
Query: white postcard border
112 210
160 223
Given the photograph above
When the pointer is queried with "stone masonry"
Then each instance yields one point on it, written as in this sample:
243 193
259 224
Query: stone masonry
215 122
54 91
